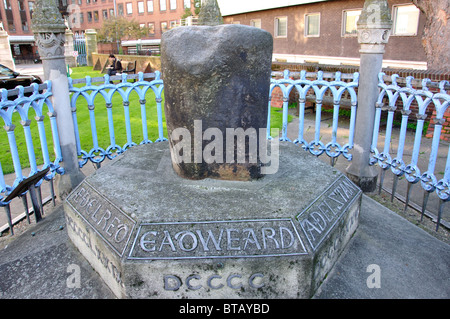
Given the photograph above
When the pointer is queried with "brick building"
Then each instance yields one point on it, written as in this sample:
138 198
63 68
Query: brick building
324 31
158 15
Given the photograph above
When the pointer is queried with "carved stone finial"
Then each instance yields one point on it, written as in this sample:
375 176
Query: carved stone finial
374 25
47 18
49 29
210 14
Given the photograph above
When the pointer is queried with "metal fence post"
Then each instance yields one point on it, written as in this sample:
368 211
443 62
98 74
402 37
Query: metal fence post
49 33
374 27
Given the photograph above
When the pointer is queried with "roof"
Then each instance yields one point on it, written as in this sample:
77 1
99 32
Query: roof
231 7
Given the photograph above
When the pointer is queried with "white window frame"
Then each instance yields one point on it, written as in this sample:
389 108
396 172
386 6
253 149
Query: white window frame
162 5
141 8
276 31
307 15
173 4
344 22
150 7
395 20
129 8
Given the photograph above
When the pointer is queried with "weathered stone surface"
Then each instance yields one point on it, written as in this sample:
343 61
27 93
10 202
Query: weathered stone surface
157 235
221 76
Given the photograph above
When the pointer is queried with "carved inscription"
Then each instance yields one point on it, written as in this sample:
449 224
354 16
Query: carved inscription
110 223
320 217
217 239
84 235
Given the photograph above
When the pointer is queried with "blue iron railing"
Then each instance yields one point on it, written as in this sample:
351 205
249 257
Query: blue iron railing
107 90
316 90
100 94
29 104
422 101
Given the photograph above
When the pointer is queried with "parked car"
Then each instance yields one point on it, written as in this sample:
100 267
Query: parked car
9 79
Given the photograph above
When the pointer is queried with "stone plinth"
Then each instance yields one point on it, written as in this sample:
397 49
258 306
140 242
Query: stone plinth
152 234
91 45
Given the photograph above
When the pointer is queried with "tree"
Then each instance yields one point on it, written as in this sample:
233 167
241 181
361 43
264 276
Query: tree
436 34
119 28
196 4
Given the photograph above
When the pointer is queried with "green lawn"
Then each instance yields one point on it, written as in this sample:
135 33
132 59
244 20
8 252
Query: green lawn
84 125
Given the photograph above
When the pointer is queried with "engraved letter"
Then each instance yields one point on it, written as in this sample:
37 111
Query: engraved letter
210 236
318 220
230 284
104 218
231 239
167 242
122 228
271 236
175 280
282 229
254 240
144 242
188 282
210 279
251 281
181 239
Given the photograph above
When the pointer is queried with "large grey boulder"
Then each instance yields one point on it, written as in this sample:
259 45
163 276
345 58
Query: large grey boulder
219 75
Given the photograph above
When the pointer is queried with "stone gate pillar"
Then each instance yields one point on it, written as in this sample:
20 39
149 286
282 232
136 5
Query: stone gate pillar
91 45
374 27
49 33
71 60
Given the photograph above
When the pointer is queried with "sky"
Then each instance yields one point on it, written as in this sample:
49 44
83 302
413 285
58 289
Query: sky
228 7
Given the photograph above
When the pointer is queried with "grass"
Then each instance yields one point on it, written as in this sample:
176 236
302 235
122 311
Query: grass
102 127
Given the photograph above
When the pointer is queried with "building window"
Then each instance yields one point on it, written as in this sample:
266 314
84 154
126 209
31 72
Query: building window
163 7
163 27
349 20
96 16
151 28
173 4
406 20
129 8
150 6
312 25
7 4
120 9
281 27
89 16
141 7
105 14
187 4
255 23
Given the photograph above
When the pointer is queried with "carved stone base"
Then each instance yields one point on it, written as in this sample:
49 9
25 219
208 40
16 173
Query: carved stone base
151 234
